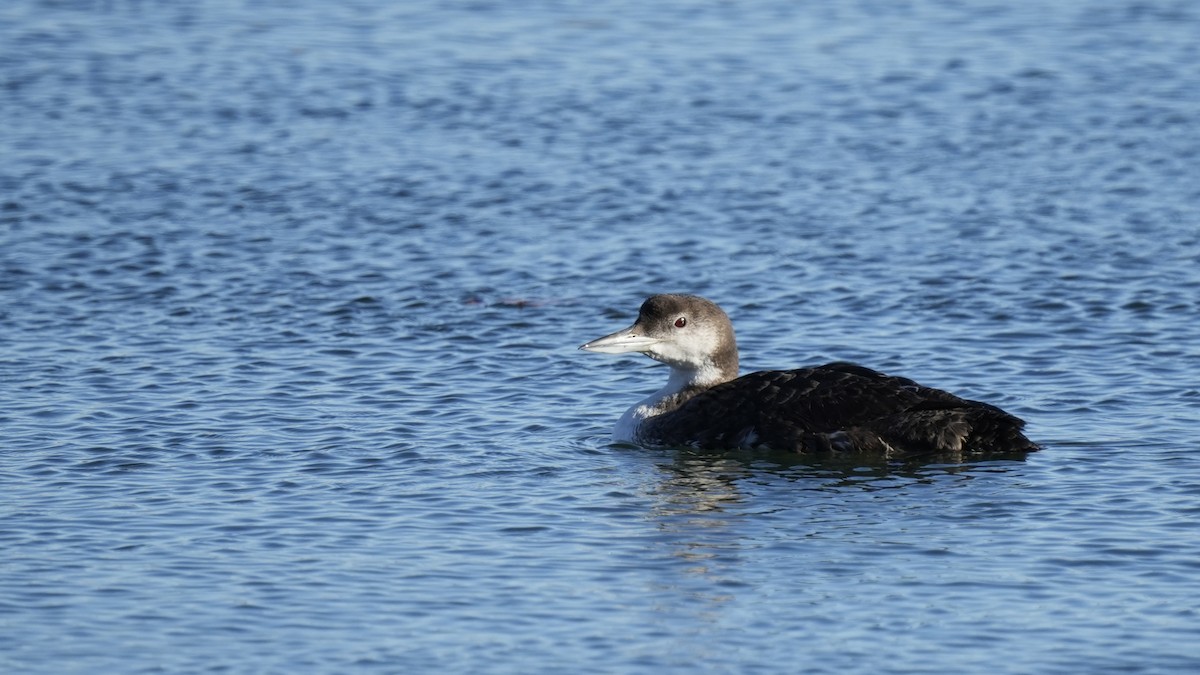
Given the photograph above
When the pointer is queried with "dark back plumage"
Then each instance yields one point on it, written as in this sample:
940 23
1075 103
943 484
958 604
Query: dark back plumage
838 409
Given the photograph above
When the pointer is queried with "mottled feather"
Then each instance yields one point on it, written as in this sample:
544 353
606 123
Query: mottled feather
838 408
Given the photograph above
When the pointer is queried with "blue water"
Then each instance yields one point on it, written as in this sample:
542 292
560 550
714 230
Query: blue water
290 296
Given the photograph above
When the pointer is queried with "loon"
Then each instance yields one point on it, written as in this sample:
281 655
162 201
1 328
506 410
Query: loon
837 409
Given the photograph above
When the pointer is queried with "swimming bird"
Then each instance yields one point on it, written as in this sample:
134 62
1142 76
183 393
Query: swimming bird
824 411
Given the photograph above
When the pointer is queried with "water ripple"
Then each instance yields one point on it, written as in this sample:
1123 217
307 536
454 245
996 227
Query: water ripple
290 298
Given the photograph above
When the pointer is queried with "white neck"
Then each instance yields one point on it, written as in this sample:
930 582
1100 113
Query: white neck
707 375
665 400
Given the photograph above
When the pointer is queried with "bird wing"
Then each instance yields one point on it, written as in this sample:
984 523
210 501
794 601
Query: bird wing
817 410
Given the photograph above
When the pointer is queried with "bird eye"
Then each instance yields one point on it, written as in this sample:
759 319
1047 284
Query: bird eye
680 322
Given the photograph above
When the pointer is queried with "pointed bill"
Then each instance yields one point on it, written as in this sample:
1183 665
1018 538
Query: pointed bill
621 342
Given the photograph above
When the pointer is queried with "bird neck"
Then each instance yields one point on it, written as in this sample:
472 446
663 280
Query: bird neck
706 376
682 385
686 382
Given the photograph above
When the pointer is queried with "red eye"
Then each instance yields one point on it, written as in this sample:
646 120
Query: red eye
680 322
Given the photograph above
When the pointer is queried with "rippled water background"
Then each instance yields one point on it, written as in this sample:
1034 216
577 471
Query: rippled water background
290 295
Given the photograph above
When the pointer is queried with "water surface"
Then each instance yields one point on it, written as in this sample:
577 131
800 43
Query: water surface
290 295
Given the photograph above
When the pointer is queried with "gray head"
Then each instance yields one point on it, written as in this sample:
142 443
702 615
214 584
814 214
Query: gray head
687 332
